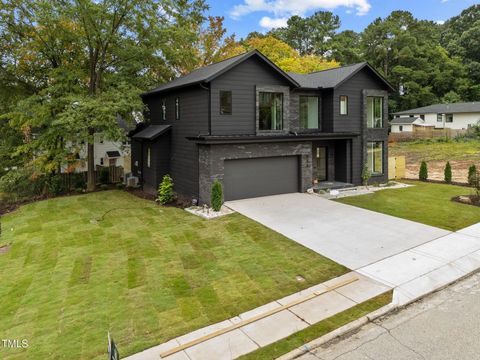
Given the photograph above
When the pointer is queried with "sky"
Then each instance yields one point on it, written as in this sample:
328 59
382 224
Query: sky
245 16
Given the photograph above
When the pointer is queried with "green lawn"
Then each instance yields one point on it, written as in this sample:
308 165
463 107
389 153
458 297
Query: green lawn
426 203
145 273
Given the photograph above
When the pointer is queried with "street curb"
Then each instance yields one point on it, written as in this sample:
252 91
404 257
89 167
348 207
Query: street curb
352 326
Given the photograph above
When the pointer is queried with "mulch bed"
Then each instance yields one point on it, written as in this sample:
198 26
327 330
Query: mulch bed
467 199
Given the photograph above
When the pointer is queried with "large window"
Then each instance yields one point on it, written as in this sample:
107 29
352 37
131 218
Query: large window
270 111
448 118
225 102
308 112
375 157
343 105
439 118
177 108
374 112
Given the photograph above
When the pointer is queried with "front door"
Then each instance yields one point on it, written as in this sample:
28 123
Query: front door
321 160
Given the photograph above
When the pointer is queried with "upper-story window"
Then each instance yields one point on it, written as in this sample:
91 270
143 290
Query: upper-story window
270 106
309 112
439 117
343 105
449 118
177 108
374 111
164 109
225 102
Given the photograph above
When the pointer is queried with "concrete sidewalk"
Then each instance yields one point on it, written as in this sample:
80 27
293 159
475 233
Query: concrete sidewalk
430 266
272 328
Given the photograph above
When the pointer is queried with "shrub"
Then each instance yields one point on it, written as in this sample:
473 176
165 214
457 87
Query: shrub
366 175
104 175
79 181
103 187
120 185
55 185
19 184
423 174
216 196
472 173
165 190
448 173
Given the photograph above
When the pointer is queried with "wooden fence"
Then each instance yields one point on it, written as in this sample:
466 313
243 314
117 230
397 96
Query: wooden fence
72 180
396 167
426 133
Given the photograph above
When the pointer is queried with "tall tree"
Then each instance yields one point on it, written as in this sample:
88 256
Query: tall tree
461 37
86 62
346 48
310 35
282 55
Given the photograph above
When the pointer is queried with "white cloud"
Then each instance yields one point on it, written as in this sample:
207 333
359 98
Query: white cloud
269 23
440 22
443 1
286 8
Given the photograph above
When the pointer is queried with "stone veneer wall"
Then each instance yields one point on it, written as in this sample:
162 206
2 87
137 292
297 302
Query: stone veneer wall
211 161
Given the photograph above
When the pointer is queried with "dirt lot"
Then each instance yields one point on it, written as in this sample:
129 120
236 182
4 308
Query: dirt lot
461 155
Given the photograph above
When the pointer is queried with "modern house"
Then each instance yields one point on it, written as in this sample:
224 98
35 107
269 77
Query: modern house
262 131
457 116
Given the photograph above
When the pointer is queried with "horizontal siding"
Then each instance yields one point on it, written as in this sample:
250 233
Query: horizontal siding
241 81
193 121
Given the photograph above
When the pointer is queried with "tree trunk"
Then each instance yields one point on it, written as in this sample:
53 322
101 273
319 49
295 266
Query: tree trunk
90 162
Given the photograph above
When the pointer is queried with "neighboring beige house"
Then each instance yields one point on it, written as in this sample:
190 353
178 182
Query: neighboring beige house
456 116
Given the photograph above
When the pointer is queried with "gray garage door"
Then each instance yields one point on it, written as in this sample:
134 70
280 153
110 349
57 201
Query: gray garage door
246 178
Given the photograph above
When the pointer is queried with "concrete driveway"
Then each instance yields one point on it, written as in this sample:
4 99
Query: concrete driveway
346 234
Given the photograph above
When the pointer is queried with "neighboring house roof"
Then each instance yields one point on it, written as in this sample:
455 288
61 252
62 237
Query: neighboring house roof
151 132
113 154
404 120
465 107
332 78
329 78
210 72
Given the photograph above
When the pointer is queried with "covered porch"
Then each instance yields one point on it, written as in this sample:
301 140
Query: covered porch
332 164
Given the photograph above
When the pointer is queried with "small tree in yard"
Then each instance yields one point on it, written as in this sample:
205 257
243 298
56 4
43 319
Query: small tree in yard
366 175
423 175
216 196
476 183
448 173
165 190
472 173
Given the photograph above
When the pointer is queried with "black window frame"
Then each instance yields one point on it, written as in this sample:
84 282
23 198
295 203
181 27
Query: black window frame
382 122
340 104
281 108
164 109
177 108
447 116
382 147
220 107
300 112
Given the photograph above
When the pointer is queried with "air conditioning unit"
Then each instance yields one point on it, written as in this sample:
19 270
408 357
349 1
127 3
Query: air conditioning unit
132 181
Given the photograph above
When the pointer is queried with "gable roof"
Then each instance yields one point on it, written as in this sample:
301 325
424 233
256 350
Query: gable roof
210 72
332 78
465 107
404 120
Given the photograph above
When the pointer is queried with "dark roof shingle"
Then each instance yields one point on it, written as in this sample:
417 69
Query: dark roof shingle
151 132
465 107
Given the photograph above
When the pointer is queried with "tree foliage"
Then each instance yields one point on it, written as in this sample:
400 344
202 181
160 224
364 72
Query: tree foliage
282 54
423 174
216 196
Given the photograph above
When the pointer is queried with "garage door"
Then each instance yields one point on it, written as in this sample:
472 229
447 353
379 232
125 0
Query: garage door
246 178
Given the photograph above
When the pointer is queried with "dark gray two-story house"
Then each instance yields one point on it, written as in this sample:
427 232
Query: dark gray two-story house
261 131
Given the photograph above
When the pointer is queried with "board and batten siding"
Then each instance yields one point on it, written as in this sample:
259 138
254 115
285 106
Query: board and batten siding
355 120
241 81
183 155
